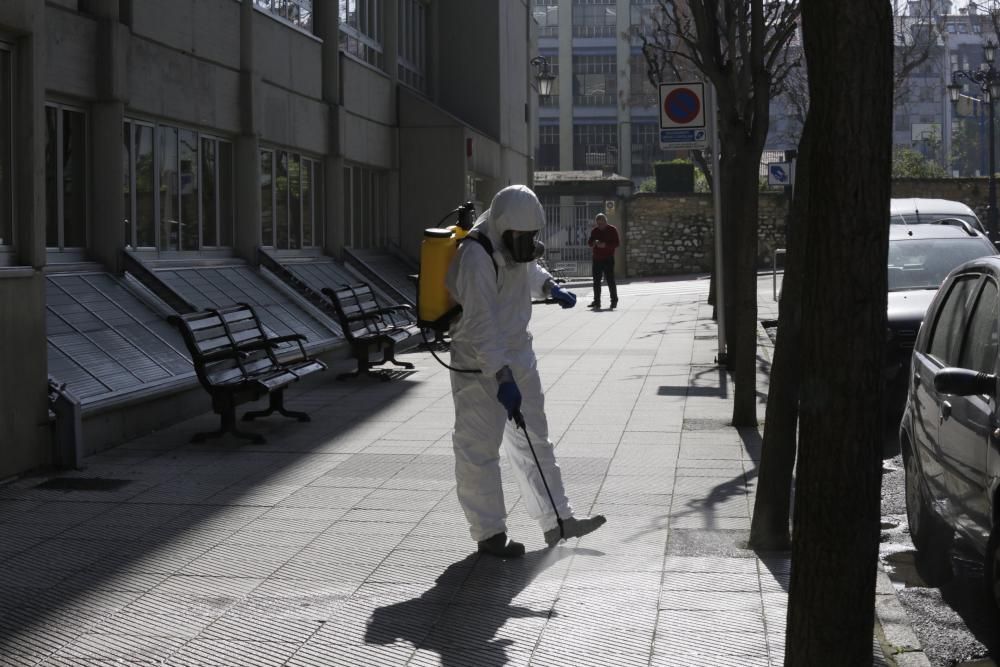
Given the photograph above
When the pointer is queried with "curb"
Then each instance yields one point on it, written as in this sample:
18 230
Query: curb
893 629
899 642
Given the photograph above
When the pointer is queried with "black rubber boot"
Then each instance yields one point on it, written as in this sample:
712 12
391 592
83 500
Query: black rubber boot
573 527
501 546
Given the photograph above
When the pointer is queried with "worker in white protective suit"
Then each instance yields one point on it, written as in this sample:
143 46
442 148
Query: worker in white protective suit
491 336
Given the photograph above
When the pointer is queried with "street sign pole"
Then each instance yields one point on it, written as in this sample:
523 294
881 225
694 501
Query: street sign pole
720 301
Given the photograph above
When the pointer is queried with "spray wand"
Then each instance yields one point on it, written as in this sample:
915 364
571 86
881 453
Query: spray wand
519 420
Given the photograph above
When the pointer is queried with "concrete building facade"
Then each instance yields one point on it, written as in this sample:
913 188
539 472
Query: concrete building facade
147 143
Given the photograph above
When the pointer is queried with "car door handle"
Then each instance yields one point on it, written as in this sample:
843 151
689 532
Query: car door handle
916 379
945 410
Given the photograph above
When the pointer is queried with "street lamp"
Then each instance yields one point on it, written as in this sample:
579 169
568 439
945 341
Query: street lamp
988 80
543 74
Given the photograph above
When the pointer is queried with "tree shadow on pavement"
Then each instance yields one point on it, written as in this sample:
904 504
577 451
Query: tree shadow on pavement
463 616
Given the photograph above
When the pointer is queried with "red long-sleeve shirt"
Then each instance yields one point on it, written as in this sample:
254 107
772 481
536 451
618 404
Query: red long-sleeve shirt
609 234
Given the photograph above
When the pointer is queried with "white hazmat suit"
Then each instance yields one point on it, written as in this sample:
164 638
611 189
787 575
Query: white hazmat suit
490 334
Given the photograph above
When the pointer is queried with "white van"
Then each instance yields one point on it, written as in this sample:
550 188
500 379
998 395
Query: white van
910 211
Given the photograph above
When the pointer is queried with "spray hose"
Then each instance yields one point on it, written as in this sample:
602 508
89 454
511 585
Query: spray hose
519 420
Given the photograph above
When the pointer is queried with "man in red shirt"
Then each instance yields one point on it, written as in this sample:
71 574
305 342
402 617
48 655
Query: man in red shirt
603 240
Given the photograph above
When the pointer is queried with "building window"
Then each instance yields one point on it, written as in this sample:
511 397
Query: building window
178 188
645 148
548 148
366 208
547 15
595 18
361 30
595 146
297 12
412 65
65 177
642 93
595 82
6 162
291 200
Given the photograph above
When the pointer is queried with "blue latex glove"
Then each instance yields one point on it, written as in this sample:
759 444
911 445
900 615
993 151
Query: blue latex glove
565 298
510 397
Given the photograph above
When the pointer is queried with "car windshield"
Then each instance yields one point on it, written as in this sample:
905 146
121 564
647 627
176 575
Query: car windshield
923 218
924 263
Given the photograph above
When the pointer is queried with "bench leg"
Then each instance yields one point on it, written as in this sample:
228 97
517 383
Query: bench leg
228 426
276 404
390 357
361 356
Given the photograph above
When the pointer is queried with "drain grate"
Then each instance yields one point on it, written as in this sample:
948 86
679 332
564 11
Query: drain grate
82 484
692 424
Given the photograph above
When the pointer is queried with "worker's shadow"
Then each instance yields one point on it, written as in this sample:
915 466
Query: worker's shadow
460 616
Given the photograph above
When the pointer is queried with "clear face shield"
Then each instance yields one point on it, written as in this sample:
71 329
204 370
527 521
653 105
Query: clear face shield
523 246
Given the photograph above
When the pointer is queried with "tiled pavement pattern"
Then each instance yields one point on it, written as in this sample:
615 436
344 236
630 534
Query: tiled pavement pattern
341 542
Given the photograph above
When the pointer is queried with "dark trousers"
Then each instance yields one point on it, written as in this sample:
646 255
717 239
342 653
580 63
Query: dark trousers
605 268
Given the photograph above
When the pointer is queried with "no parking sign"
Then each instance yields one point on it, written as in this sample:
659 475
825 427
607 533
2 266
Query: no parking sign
682 115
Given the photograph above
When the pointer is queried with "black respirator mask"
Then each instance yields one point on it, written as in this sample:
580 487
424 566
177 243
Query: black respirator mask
523 247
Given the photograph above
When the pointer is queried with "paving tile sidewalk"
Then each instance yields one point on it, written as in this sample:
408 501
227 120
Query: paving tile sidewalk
341 542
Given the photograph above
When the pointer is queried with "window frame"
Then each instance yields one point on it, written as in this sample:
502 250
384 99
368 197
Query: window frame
373 45
60 252
316 201
305 25
373 188
411 39
157 232
8 251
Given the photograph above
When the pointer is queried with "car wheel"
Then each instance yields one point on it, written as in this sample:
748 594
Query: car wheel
991 566
930 533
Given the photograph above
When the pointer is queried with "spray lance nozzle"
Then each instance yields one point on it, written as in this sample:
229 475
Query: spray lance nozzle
466 215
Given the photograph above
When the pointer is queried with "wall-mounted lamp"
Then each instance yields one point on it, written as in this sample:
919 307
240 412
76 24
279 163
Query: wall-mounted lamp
543 74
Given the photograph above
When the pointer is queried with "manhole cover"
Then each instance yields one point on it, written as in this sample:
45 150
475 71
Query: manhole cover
82 484
705 424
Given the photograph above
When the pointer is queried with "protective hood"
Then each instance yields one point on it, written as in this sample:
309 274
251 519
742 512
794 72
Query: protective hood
515 208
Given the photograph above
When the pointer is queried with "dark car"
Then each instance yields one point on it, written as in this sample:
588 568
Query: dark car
950 431
920 257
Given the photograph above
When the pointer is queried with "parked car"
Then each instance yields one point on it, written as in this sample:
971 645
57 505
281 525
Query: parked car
913 211
920 257
950 431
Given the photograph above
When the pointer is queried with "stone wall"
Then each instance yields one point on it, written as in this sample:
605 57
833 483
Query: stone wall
675 234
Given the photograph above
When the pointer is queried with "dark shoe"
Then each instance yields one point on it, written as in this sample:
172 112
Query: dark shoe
573 527
614 304
501 546
596 305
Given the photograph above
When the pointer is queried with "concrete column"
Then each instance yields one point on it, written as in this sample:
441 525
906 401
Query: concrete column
390 47
23 356
565 85
623 64
107 115
326 26
247 148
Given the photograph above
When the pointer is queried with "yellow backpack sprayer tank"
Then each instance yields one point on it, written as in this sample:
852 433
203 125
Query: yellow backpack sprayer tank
435 307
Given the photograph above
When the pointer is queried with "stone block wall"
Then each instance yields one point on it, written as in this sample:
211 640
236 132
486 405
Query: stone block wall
675 234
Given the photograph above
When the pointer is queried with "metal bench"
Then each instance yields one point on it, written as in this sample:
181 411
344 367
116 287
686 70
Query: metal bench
371 328
238 361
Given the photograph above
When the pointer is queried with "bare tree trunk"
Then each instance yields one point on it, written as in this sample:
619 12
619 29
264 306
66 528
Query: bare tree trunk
771 512
743 334
836 516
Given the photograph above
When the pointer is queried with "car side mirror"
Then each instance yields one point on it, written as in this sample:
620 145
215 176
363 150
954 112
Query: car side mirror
963 382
